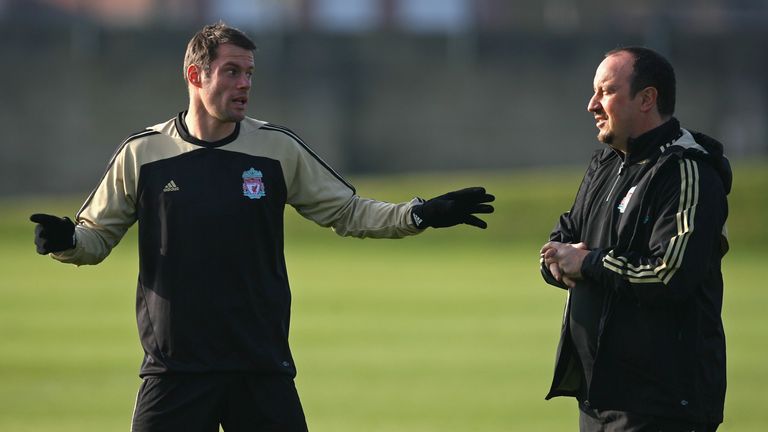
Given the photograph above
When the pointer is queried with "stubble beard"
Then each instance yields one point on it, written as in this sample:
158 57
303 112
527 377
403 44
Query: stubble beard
230 116
234 118
605 137
609 138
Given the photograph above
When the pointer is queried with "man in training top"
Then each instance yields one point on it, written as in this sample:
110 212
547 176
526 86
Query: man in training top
208 189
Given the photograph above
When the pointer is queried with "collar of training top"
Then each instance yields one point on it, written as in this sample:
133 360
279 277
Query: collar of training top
181 127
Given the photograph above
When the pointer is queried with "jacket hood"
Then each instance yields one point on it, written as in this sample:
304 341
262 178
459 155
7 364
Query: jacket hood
709 150
671 138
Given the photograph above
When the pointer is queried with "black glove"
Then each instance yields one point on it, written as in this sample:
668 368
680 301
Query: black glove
453 208
52 233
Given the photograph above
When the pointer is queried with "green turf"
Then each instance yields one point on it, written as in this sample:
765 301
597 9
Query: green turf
449 331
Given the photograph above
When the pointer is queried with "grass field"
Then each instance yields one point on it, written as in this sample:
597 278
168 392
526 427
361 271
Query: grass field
452 330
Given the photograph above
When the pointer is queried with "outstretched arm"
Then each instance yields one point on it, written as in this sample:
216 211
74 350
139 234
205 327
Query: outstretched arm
103 220
362 217
320 194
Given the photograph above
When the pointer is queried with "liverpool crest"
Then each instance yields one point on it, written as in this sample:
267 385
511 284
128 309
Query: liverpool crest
253 186
623 204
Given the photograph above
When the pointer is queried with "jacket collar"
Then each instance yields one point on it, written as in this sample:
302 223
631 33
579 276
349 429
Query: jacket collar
650 143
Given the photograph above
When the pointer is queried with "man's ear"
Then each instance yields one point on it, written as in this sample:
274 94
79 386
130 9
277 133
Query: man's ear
194 75
648 97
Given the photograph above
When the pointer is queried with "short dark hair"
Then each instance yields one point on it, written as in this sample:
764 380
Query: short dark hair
201 49
651 69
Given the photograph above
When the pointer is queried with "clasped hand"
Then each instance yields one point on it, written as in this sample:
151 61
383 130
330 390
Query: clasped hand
564 261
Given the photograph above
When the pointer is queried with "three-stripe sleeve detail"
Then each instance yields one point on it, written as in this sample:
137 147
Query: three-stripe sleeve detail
673 256
290 133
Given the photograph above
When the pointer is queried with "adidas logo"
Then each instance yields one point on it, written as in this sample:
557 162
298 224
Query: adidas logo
417 220
171 187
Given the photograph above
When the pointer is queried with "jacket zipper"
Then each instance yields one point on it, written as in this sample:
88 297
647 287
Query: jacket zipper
618 176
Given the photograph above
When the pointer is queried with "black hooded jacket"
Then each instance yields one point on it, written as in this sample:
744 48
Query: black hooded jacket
642 330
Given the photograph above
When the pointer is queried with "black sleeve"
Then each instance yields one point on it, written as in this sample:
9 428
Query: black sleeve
690 213
567 229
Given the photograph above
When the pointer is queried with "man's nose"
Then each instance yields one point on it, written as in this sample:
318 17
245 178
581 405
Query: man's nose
593 105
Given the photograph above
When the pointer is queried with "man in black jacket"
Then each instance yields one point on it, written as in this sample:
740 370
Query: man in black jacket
642 344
